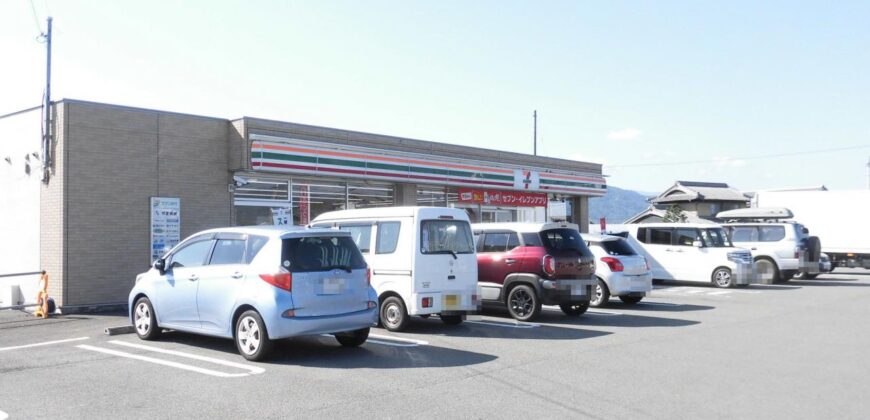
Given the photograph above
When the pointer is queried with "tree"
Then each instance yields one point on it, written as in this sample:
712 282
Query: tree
675 214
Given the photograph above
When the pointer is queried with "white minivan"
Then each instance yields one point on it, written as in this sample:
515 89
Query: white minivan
422 259
692 252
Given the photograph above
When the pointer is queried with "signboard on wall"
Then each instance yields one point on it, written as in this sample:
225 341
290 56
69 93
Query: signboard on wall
502 198
282 216
165 225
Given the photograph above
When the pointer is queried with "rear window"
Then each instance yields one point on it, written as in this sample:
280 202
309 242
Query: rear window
771 233
446 237
617 247
228 251
321 253
563 239
532 239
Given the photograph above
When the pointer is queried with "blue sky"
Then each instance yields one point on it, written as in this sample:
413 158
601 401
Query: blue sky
623 83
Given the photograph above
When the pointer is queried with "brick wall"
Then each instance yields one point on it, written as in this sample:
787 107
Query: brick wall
116 158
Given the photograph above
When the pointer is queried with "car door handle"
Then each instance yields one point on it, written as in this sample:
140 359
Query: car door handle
193 277
754 248
510 260
237 275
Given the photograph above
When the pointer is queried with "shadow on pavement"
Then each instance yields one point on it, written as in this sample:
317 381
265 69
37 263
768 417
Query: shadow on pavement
829 282
321 351
655 307
614 320
496 328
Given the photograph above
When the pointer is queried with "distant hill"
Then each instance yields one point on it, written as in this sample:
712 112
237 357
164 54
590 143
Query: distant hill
618 205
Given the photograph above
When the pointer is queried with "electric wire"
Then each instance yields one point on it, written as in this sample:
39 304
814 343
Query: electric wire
774 155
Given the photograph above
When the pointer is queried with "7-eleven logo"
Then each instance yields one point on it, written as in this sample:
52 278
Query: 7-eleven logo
525 179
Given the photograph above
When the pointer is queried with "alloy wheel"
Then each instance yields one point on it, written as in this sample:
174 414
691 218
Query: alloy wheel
521 303
248 335
142 318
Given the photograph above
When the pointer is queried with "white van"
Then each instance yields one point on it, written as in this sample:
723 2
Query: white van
422 259
692 252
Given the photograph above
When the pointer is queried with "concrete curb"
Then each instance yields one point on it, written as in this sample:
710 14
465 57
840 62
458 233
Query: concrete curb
127 329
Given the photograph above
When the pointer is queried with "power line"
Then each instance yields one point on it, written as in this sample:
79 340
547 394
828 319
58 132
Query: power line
776 155
35 18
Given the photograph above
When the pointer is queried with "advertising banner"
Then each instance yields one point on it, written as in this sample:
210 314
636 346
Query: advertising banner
502 198
165 225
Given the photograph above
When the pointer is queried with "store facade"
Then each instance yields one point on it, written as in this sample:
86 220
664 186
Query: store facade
127 183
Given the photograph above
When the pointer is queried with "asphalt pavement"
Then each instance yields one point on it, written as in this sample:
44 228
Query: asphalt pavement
795 350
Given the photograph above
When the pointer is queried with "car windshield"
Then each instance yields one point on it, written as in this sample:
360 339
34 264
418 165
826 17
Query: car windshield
446 237
715 238
563 239
616 247
321 253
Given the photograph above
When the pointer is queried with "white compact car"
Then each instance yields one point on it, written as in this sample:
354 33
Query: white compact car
422 258
692 252
620 270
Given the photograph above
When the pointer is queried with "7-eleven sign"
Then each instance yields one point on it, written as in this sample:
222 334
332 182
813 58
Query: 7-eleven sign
525 179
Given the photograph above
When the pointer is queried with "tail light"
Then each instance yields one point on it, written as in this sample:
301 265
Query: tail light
613 263
281 280
549 264
368 275
426 302
797 252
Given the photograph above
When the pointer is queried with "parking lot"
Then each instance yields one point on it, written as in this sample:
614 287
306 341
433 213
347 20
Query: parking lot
779 351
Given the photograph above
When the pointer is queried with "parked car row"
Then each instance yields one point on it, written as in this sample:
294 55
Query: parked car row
349 270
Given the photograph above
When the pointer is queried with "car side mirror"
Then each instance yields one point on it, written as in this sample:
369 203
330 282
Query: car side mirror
160 265
697 244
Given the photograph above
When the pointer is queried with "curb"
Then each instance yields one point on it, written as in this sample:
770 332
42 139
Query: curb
127 329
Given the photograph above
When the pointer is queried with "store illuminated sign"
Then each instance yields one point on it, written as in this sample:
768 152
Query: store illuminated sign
502 198
287 155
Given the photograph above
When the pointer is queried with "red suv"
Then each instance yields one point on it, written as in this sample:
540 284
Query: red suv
525 265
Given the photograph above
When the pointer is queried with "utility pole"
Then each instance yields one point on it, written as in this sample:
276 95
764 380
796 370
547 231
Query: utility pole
46 107
535 132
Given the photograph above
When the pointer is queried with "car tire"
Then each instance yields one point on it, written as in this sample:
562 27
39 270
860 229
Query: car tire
353 338
452 319
523 303
252 339
786 275
145 320
600 294
804 276
631 300
574 309
394 316
722 278
766 265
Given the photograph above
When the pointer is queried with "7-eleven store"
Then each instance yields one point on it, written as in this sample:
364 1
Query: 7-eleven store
295 173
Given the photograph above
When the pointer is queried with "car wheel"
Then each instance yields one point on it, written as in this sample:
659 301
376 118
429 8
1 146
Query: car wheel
722 278
354 338
631 300
574 309
522 303
786 275
145 321
394 316
451 319
252 339
804 276
768 270
600 294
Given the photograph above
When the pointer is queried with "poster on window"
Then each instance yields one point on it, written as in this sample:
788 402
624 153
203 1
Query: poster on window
165 225
304 205
281 216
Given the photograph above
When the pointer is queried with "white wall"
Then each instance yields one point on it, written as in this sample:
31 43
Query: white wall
20 135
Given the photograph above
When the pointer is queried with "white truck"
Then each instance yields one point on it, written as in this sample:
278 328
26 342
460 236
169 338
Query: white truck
838 218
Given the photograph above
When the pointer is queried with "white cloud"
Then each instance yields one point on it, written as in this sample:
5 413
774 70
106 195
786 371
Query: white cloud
625 134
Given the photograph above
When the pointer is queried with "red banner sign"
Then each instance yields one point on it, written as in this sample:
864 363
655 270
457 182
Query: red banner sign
502 198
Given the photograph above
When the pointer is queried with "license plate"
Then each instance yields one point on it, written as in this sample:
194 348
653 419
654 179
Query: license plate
451 301
332 286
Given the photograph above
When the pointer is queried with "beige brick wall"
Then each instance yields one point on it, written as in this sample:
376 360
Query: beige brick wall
51 215
116 159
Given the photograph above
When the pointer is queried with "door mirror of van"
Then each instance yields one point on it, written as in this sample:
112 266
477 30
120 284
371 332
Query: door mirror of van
160 265
697 244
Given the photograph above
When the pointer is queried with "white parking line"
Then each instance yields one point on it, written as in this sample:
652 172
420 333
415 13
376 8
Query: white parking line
162 362
3 415
46 343
505 325
255 370
408 342
602 312
721 292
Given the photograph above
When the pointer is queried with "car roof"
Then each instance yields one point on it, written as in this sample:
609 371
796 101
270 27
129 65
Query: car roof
402 211
599 238
279 231
680 225
523 227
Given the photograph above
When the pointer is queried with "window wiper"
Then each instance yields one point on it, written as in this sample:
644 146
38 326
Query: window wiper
341 267
446 251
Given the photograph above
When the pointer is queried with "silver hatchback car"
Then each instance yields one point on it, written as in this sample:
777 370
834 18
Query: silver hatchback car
257 284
